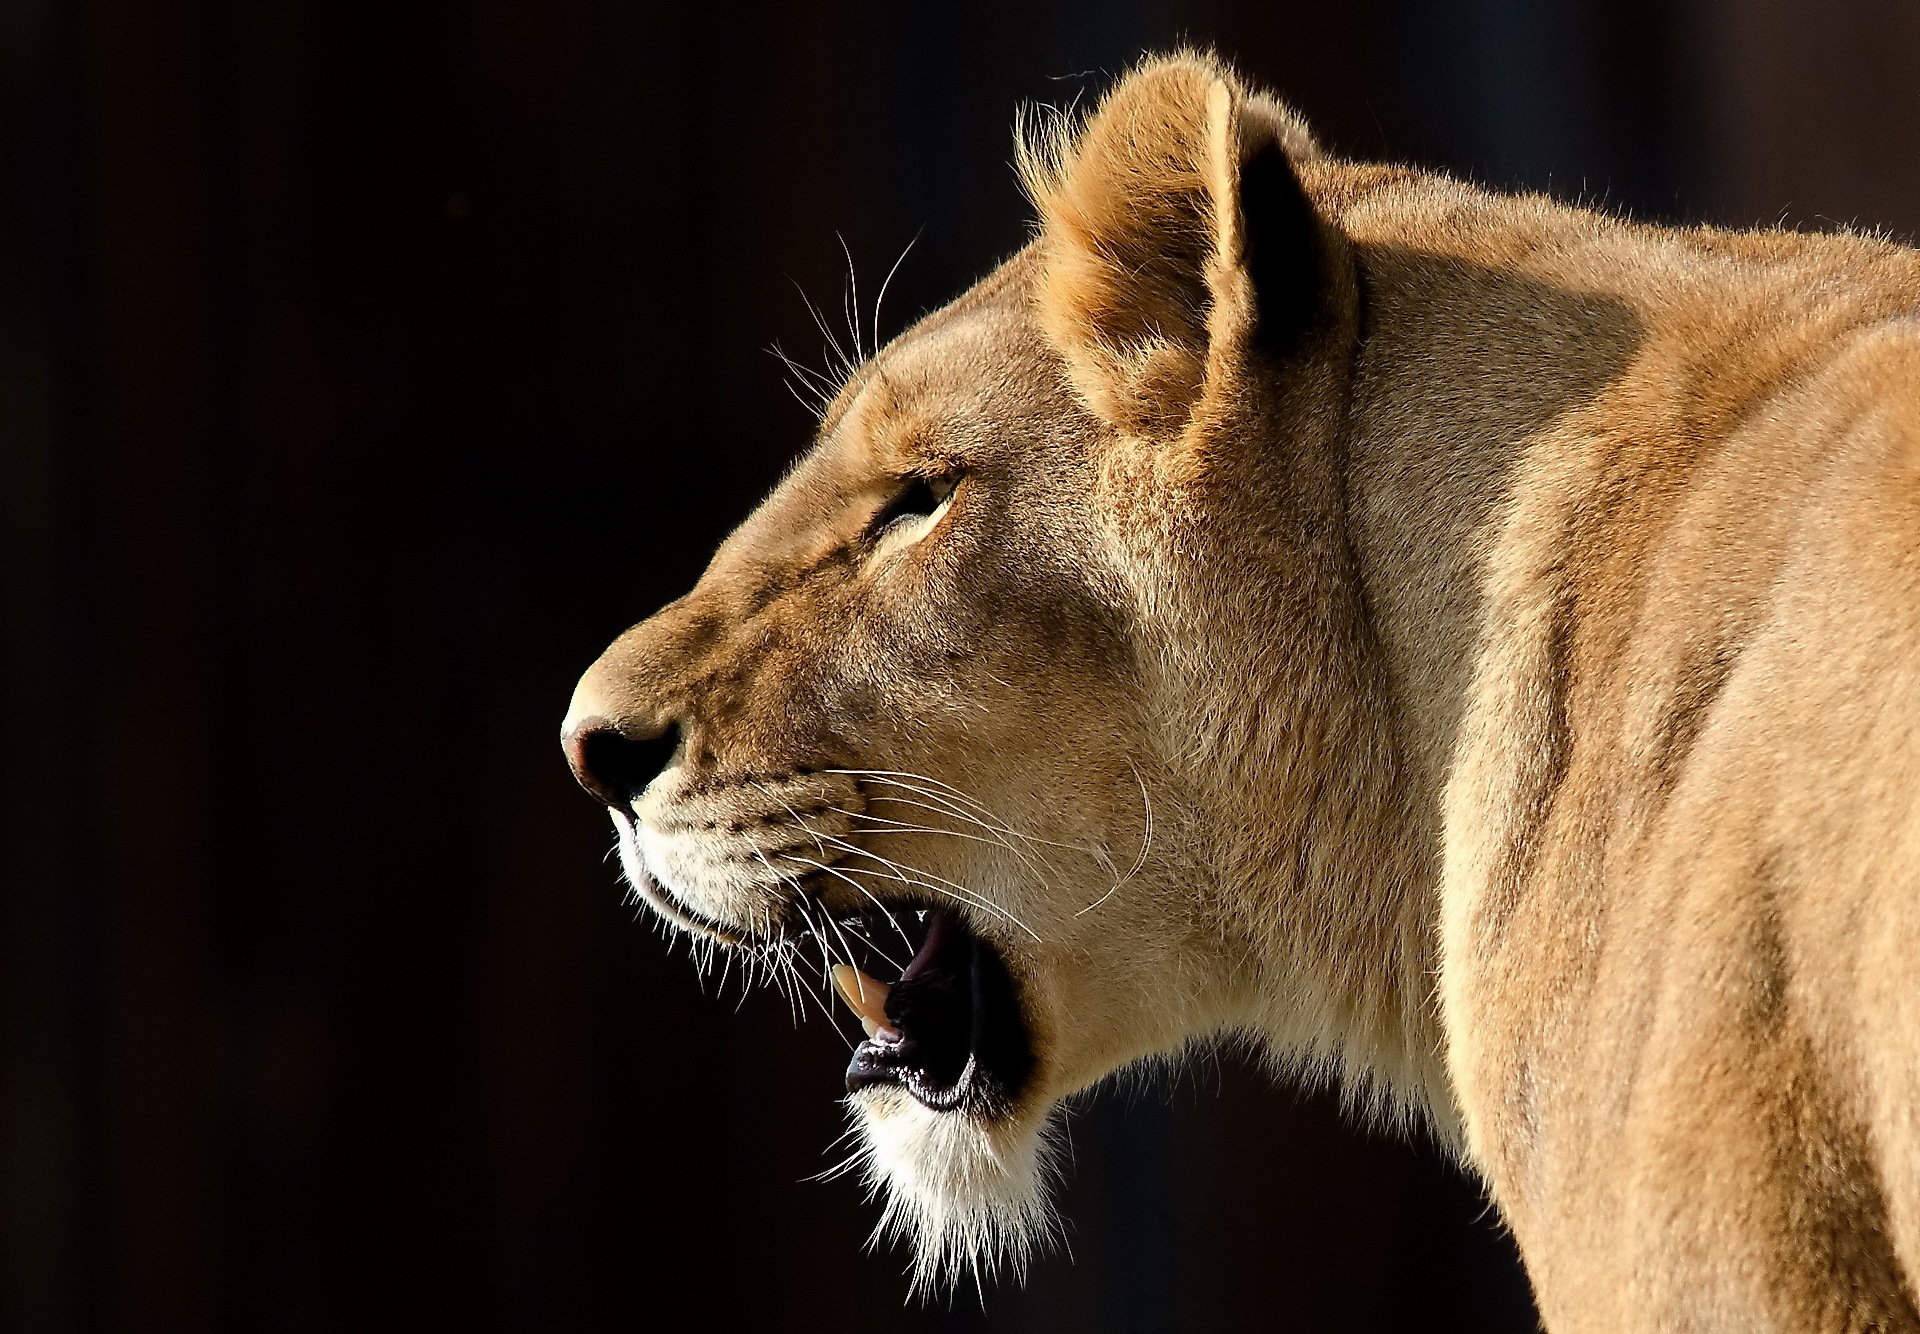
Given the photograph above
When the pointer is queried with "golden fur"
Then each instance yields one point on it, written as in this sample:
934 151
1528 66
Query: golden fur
1460 639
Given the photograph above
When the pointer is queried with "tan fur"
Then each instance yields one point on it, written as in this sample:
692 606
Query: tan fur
1513 644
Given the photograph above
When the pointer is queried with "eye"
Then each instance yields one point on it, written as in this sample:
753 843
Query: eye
921 498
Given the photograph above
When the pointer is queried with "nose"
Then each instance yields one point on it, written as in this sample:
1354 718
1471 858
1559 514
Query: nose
613 764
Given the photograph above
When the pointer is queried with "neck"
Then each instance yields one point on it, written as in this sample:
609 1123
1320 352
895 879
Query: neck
1440 405
1323 838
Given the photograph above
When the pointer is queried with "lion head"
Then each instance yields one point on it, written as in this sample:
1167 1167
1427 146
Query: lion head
1035 697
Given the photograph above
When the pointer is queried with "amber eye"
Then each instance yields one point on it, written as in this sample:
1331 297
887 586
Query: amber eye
920 498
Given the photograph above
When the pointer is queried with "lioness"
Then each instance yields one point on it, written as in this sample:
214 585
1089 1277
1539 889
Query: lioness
1462 640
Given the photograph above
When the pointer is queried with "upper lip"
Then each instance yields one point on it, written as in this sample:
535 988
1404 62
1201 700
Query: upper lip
683 917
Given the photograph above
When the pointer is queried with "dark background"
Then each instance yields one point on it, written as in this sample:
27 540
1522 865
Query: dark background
364 368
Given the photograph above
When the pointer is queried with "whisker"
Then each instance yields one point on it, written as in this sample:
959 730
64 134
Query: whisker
845 944
917 880
985 817
958 893
856 1159
822 839
852 301
903 826
812 392
1146 842
893 921
813 933
991 823
813 410
861 934
900 870
788 977
833 1019
812 379
951 800
997 830
833 348
860 931
887 282
957 794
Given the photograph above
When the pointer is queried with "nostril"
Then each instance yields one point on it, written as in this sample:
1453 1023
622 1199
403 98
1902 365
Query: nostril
616 766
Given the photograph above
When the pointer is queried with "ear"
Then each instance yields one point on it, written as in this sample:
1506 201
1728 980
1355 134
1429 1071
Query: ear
1176 241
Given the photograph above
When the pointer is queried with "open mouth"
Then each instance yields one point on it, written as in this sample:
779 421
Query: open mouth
949 1031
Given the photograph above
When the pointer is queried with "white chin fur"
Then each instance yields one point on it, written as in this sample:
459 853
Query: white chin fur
969 1199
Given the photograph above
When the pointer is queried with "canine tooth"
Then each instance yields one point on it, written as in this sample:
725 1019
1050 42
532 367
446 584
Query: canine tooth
865 996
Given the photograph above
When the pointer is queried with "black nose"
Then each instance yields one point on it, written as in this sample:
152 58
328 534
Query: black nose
613 765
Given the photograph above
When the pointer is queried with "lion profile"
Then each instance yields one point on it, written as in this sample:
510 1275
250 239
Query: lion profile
1459 641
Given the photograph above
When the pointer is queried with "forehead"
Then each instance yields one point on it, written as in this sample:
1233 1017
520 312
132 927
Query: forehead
940 388
969 385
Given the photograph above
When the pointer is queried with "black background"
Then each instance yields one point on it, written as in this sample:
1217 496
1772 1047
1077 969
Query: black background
364 368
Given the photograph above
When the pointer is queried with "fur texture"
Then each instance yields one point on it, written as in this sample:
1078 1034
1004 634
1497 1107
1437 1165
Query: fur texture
1465 642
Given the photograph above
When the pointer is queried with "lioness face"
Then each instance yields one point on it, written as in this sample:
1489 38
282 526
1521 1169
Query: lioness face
896 727
944 712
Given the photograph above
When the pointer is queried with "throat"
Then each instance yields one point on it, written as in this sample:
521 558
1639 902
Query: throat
1348 928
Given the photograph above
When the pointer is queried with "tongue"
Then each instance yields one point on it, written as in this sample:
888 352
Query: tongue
867 998
941 929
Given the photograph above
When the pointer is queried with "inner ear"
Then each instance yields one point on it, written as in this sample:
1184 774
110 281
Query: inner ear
1176 240
1282 251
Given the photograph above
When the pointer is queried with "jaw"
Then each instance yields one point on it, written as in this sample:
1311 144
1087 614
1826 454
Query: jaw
969 1183
993 1014
972 1193
955 1130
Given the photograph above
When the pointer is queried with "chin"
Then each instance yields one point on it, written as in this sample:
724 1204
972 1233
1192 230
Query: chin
971 1197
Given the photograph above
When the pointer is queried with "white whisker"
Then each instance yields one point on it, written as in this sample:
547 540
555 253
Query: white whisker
902 826
1146 842
887 282
959 893
852 301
